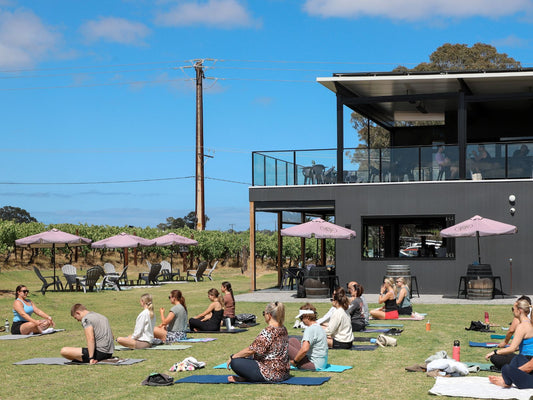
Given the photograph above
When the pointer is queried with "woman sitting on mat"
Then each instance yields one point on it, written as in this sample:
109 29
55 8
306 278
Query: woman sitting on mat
312 352
229 302
356 309
522 339
512 328
23 308
267 358
174 326
404 298
387 296
143 334
339 329
210 319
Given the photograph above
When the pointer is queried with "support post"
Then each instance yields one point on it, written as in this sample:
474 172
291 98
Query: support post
461 134
340 139
252 246
280 247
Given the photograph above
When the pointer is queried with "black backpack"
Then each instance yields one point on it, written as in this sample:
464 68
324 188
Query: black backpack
479 326
157 379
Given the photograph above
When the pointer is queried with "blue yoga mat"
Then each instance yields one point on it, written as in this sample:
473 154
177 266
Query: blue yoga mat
497 336
293 380
329 368
482 344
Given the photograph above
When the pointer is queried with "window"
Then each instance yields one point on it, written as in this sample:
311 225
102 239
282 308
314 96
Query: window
407 237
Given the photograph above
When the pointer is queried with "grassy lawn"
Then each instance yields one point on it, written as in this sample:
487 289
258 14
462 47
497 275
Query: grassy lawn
376 374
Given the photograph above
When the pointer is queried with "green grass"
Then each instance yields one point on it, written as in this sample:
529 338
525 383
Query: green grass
376 374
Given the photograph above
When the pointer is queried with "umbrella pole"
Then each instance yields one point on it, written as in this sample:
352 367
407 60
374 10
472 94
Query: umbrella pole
54 263
478 252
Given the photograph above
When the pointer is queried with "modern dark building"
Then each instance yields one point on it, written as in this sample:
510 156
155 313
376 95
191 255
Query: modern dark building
458 145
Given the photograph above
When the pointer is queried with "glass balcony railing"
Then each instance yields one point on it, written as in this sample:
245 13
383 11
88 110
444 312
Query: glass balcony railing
394 164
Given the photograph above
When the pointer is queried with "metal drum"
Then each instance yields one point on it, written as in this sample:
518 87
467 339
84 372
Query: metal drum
395 271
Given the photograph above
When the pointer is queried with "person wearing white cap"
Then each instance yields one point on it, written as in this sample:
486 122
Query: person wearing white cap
312 352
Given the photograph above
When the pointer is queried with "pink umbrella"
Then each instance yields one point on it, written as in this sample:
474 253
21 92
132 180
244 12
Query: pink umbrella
52 239
173 239
478 226
123 241
320 229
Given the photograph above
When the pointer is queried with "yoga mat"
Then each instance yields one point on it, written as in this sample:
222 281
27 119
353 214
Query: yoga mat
363 339
15 337
293 380
64 361
196 340
421 318
362 347
382 330
382 324
482 366
118 347
478 387
482 344
236 330
329 368
497 336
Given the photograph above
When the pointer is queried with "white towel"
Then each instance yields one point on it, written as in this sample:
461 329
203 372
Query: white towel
478 387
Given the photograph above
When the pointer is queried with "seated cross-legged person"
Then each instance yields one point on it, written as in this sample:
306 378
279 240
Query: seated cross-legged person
312 352
339 329
387 297
173 327
404 298
210 319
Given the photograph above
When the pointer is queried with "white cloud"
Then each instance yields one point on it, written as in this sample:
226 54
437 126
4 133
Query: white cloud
510 41
25 39
115 30
416 9
215 13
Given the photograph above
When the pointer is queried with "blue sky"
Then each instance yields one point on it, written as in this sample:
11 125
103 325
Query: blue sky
102 91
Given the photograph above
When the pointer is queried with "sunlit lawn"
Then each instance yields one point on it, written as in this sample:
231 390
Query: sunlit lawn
376 374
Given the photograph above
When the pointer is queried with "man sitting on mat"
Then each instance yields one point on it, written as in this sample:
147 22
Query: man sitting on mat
98 334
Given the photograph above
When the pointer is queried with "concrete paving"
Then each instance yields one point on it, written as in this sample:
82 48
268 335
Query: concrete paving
289 296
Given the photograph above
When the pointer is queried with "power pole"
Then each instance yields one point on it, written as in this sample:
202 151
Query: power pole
200 199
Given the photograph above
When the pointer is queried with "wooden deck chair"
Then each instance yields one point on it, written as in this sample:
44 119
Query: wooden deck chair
210 270
57 283
71 276
197 274
90 280
166 274
110 269
113 279
150 277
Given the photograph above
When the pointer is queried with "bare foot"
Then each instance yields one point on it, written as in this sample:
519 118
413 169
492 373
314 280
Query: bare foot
498 380
234 379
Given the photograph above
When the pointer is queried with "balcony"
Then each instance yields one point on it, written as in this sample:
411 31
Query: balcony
486 160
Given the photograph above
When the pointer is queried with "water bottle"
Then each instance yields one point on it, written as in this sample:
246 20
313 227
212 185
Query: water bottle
456 354
487 322
6 326
428 326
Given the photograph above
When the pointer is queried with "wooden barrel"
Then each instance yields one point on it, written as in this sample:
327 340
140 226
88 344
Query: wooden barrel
480 289
395 271
480 270
315 289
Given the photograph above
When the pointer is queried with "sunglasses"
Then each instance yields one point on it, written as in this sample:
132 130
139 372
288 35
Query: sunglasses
25 291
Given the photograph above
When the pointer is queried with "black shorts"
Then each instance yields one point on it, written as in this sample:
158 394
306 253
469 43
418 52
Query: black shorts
98 356
341 345
15 328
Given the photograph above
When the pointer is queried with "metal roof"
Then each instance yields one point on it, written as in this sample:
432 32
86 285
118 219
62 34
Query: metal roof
385 96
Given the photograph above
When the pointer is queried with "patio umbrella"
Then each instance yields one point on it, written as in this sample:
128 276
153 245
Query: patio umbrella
173 239
478 226
320 229
52 239
123 241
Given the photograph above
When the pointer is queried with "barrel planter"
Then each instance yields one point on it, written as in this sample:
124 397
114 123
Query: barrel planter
480 289
480 270
395 271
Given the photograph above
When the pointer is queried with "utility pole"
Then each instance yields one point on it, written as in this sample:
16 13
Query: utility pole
200 199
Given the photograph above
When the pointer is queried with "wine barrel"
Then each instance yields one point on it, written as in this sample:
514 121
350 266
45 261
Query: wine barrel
315 289
480 270
395 271
480 289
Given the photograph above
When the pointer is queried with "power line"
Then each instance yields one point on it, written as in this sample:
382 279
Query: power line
120 181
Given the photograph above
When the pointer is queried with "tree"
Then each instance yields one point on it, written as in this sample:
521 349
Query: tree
448 57
188 221
15 214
